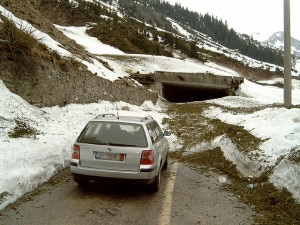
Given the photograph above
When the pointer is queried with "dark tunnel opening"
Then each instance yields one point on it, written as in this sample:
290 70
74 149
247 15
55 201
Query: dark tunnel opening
176 93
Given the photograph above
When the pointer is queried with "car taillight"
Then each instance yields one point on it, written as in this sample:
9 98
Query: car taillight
147 157
76 152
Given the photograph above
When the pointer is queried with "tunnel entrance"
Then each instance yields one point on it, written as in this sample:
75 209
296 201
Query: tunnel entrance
188 87
177 93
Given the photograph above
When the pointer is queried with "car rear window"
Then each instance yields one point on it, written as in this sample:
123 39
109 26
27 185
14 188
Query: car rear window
113 133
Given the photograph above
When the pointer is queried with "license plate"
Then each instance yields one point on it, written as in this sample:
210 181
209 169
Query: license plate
109 156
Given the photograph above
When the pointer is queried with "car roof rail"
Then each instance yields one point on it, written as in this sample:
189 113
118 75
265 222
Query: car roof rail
104 115
146 118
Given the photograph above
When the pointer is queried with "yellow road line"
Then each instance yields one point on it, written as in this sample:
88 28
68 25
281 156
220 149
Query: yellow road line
165 213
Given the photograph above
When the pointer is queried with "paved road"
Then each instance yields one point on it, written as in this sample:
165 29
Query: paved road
185 197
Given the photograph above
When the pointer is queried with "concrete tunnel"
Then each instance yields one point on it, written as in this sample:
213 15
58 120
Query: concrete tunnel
188 87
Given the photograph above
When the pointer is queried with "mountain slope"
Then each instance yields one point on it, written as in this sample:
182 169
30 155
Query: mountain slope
78 67
276 41
183 39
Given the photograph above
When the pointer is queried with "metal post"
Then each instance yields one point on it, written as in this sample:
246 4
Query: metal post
287 55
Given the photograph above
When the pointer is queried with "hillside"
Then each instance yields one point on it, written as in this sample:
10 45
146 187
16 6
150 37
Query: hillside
32 64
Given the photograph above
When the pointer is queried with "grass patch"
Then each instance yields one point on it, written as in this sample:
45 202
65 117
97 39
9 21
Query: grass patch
3 195
187 123
295 155
22 129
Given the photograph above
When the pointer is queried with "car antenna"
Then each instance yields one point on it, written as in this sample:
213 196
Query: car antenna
118 114
117 110
116 106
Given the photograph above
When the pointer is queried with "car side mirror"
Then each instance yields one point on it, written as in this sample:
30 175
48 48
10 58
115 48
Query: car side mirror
167 133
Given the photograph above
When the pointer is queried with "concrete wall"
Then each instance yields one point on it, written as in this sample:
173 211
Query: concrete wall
49 84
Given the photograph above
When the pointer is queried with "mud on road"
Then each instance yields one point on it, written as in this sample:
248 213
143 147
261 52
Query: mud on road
186 196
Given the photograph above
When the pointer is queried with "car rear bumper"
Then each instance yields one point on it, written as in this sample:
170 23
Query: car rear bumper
144 174
80 177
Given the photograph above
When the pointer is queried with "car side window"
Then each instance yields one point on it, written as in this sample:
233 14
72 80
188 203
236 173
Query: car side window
154 131
151 132
92 129
158 131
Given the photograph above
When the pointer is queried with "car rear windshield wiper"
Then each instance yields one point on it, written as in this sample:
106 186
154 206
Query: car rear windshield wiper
119 144
91 141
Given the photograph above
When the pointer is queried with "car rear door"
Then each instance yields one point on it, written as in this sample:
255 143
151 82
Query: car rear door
106 146
112 158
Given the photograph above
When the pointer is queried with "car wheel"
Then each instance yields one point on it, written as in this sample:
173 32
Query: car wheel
156 183
165 166
81 182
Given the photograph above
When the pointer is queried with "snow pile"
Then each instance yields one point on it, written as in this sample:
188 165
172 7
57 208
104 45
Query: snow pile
279 128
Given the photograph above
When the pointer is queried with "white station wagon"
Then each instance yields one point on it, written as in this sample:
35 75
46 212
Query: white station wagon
123 147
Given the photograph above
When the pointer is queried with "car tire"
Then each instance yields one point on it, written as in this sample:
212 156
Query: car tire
156 182
81 182
165 166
